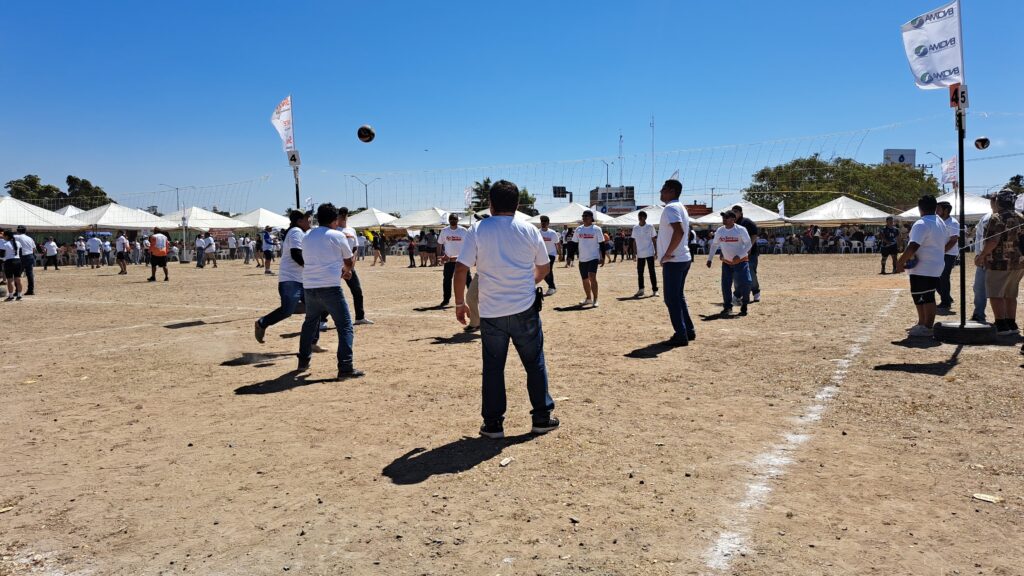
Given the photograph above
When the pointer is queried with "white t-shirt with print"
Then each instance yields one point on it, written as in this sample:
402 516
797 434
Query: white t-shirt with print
288 270
452 241
324 251
931 235
733 242
505 252
551 240
211 245
589 239
674 212
644 238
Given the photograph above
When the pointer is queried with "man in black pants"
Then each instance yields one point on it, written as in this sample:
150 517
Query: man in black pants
755 286
646 251
451 240
28 258
353 282
552 240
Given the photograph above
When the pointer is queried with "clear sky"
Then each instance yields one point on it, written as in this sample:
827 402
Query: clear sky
135 94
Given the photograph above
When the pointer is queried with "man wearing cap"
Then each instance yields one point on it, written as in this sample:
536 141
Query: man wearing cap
289 279
888 243
751 228
980 297
552 241
924 260
645 237
944 211
735 244
450 240
80 252
589 239
675 262
28 258
1004 264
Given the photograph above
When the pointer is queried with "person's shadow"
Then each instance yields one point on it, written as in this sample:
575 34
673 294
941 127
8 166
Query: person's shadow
282 383
719 316
650 351
940 368
458 338
432 308
573 308
420 464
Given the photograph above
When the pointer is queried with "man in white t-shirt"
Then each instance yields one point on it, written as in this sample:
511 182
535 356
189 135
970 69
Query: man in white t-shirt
95 247
924 260
200 251
353 283
735 244
327 259
944 211
552 241
643 236
210 248
674 251
289 278
121 252
450 240
232 246
107 249
50 250
511 259
28 258
588 240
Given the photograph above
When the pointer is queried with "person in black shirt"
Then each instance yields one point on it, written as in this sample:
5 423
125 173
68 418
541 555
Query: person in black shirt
888 238
755 286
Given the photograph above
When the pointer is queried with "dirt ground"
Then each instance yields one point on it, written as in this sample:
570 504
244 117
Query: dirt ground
145 431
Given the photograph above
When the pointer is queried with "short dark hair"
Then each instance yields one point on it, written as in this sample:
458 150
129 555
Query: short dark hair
545 219
504 196
642 214
728 214
674 185
587 213
326 213
944 204
737 208
926 204
343 212
296 215
21 229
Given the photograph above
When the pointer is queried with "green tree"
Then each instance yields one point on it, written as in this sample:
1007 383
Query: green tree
85 194
482 198
804 183
526 203
1016 184
31 188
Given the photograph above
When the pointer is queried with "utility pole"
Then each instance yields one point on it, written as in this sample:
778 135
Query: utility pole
653 159
607 182
366 189
620 157
941 183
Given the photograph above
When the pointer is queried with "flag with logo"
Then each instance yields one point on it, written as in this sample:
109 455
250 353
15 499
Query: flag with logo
782 208
949 171
282 120
934 48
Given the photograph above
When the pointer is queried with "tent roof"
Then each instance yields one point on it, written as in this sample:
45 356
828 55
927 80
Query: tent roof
261 218
633 218
118 216
763 217
420 218
974 206
570 214
14 212
487 211
842 210
370 218
197 217
69 210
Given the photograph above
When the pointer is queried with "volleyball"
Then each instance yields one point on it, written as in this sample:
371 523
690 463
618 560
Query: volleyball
366 133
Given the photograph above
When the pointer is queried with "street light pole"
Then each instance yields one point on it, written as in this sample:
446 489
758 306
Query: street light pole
607 182
366 189
943 184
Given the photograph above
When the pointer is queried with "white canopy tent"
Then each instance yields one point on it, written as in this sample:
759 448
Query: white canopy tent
840 212
196 217
763 217
370 218
430 218
69 210
569 214
14 212
975 207
261 218
487 212
633 218
115 216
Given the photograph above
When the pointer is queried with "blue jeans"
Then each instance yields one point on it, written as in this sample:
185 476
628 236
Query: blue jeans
28 262
945 294
740 274
200 258
331 301
525 332
980 300
673 277
291 295
81 258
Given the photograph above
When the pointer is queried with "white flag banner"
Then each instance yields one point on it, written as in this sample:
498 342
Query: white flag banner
468 195
950 171
675 175
932 42
282 120
782 208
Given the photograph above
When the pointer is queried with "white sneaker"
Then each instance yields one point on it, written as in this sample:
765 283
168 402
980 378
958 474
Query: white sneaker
362 322
323 326
318 348
639 294
594 305
756 298
655 293
920 330
551 291
585 303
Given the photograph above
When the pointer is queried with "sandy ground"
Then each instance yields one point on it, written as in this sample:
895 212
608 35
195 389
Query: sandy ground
144 431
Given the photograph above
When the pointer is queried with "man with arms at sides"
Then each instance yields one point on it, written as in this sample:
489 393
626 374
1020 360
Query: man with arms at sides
232 246
327 260
1004 268
589 239
353 281
926 246
268 250
50 249
735 244
200 251
645 237
450 242
752 233
511 259
122 247
28 258
211 249
675 262
95 247
159 246
888 243
980 296
552 241
944 211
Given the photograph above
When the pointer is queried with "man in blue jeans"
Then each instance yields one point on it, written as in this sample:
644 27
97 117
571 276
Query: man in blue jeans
289 280
327 259
735 244
675 262
510 258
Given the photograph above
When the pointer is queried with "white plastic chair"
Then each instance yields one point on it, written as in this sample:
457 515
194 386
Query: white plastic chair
869 246
856 246
843 246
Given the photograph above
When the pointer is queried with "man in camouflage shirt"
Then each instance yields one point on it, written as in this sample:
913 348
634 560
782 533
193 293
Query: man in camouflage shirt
1004 267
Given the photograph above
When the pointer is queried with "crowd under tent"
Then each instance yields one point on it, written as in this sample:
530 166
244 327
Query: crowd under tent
763 217
370 218
842 211
14 213
570 214
261 218
975 207
117 217
200 219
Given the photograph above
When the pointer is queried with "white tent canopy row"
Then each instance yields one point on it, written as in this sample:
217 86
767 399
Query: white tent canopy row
69 210
763 217
14 212
261 218
633 218
840 212
196 217
429 218
487 212
115 216
975 207
370 218
570 214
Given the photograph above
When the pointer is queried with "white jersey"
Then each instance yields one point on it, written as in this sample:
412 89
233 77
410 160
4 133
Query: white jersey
930 234
644 238
289 270
505 252
733 242
28 245
551 241
673 213
351 236
51 248
95 245
122 244
452 241
589 239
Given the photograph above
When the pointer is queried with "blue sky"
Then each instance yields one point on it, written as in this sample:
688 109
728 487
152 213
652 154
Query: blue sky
134 94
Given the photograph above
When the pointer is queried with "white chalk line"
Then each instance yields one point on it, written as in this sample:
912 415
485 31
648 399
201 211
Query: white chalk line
113 328
771 464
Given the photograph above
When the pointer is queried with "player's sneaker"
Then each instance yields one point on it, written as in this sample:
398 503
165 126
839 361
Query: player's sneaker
544 425
594 305
318 348
639 293
259 331
919 330
551 291
323 326
362 322
585 303
655 293
492 430
757 297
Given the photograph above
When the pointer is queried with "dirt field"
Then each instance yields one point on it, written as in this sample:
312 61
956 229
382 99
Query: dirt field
144 431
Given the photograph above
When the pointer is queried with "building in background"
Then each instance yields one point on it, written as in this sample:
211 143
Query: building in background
613 200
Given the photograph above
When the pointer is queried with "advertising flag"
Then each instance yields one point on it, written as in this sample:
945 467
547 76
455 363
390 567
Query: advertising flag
282 120
782 208
949 171
934 49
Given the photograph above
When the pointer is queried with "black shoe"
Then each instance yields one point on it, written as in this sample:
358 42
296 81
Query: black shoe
883 272
691 336
743 310
726 311
470 328
151 279
492 430
676 342
544 426
259 331
30 293
351 373
303 365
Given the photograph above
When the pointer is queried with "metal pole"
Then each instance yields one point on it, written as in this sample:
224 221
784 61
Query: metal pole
961 131
298 202
652 155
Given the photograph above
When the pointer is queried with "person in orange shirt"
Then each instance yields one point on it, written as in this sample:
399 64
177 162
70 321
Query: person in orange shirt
159 246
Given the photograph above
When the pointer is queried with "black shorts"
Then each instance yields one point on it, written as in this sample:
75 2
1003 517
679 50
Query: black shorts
12 269
122 256
889 250
268 255
588 267
922 288
158 260
94 254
